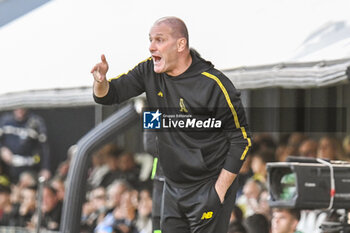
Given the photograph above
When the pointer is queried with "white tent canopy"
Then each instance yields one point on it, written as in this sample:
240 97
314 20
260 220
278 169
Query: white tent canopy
46 56
316 63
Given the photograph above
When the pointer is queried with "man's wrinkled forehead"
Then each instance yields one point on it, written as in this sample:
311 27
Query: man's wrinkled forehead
160 29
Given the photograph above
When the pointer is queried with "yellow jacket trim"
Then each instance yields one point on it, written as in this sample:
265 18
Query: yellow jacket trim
234 113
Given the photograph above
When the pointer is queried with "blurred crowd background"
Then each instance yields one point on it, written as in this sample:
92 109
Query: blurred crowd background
119 195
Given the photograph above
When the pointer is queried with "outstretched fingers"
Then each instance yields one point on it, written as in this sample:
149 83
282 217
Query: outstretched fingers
103 58
98 65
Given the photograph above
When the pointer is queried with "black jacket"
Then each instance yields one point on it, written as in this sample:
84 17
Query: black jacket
26 138
189 156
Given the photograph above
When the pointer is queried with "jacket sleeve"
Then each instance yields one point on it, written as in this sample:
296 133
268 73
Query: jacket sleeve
125 85
234 123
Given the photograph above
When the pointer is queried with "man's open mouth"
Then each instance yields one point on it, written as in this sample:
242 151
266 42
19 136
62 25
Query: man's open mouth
156 58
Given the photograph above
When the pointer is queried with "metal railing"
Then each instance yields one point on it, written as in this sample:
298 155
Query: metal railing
77 175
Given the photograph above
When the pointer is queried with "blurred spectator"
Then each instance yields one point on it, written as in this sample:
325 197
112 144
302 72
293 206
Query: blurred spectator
264 141
236 221
249 200
122 218
58 184
105 165
51 209
62 170
294 142
27 206
236 215
23 144
284 220
125 214
329 148
94 209
254 199
114 193
244 174
308 148
102 162
122 166
282 152
7 211
23 198
289 145
144 212
346 147
257 223
130 171
258 164
235 228
26 179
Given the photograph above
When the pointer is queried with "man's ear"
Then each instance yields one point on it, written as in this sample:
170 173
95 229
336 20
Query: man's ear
295 224
181 44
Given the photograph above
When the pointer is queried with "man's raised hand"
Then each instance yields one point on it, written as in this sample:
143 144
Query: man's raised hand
100 70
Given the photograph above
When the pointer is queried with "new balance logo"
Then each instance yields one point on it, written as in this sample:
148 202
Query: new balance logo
207 215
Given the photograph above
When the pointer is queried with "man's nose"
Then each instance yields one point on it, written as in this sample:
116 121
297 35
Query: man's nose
152 48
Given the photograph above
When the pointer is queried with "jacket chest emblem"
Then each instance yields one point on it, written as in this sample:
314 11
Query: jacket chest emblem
182 106
160 94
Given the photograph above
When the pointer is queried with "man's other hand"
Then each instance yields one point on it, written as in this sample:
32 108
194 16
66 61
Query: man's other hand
6 155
